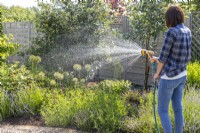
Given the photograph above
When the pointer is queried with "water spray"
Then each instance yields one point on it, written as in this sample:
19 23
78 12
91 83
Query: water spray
150 54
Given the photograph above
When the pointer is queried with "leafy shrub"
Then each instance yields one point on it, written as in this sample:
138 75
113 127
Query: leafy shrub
193 72
144 121
114 86
133 102
14 77
87 109
5 105
19 90
60 109
83 120
108 110
28 101
22 102
6 47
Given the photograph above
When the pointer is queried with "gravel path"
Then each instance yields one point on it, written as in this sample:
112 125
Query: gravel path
35 129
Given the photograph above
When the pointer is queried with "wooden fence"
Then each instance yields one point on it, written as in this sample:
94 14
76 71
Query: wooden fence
23 33
195 28
121 23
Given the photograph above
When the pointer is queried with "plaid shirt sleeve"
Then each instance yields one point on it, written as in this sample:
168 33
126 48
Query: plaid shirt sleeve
169 39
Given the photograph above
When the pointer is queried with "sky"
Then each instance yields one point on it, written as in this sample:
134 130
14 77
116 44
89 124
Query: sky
22 3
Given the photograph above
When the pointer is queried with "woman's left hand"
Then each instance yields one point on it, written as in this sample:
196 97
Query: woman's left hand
156 76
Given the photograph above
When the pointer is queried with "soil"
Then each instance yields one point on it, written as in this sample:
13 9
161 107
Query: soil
30 121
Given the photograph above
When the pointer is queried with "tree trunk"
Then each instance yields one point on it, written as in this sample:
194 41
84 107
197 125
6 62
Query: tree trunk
147 67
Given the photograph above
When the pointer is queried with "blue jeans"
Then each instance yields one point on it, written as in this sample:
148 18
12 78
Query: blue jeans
171 90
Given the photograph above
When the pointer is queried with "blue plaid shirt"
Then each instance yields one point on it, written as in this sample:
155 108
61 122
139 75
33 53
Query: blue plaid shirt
176 50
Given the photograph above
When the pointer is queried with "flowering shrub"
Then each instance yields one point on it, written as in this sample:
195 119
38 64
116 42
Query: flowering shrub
77 67
34 60
87 67
58 76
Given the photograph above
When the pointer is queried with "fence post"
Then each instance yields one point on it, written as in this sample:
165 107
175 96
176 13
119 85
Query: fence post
29 33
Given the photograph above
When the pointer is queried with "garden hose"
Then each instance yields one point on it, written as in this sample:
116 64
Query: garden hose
154 67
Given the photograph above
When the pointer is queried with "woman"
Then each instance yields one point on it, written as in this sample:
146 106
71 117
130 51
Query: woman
174 56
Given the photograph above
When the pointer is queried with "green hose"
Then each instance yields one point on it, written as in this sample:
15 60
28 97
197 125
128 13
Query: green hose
154 67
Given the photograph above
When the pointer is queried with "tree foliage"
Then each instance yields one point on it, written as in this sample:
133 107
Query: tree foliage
67 23
17 13
190 5
147 19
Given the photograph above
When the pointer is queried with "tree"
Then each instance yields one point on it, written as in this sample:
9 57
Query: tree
17 13
60 21
147 19
191 5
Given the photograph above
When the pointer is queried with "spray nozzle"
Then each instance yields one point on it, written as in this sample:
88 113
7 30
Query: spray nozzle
147 52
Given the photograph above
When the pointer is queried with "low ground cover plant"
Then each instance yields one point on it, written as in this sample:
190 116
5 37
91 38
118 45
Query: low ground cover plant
24 102
193 74
102 111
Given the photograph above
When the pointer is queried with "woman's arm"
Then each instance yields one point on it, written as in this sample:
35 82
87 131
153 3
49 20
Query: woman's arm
160 66
159 69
